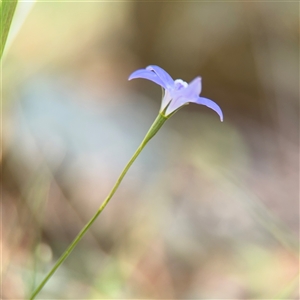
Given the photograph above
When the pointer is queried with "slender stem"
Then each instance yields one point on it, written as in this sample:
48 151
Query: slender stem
159 121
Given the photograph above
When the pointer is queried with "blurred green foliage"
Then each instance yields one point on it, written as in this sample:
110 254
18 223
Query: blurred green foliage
7 9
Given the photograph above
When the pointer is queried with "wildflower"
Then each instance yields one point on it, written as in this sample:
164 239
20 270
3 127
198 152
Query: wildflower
176 92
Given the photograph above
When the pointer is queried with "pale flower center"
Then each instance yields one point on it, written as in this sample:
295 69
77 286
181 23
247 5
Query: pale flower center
179 84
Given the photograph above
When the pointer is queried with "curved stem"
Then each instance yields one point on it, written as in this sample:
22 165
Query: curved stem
159 121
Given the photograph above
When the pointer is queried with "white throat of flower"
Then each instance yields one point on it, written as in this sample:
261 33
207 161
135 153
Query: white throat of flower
179 84
168 95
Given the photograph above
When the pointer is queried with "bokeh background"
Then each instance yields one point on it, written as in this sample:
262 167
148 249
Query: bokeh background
209 210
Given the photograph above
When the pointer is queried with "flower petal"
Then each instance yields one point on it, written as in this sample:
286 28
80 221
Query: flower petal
165 100
211 104
147 74
162 74
185 95
175 104
193 89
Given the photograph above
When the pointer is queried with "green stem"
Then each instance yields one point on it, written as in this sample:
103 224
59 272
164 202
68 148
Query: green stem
159 121
7 9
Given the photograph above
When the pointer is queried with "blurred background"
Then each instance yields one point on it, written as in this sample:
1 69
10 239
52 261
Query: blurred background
209 210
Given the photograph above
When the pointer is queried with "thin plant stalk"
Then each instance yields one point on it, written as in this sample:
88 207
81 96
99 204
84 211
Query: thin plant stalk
159 121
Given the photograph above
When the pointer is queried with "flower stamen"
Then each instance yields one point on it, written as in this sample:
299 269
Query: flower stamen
179 84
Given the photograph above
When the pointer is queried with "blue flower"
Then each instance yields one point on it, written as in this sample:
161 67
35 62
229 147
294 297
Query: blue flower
176 92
